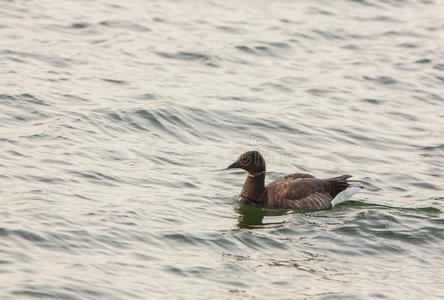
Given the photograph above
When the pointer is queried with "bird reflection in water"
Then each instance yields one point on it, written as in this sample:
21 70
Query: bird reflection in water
253 217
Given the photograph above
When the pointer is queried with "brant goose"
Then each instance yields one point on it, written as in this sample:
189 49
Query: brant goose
295 191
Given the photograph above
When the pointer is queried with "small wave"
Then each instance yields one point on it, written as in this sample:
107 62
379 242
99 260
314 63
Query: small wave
80 25
95 177
26 97
261 50
373 101
384 80
432 210
114 81
28 235
231 29
43 294
124 24
52 60
205 59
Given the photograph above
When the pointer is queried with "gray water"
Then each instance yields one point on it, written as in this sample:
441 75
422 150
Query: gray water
118 119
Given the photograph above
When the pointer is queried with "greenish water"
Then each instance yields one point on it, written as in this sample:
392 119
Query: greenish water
118 120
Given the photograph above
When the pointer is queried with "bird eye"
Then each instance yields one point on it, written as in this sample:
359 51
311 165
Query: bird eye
245 160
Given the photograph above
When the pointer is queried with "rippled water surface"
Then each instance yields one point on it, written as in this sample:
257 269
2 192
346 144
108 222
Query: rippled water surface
118 119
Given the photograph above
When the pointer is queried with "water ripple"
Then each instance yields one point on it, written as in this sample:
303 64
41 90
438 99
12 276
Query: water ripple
119 119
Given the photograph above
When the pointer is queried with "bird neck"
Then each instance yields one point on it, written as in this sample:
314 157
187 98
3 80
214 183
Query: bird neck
254 187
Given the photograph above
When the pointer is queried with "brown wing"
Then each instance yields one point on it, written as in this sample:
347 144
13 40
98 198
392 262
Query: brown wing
302 193
291 177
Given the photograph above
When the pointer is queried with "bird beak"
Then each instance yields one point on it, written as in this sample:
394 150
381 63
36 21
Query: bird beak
234 165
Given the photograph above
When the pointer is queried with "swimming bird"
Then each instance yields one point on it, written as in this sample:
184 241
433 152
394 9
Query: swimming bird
295 191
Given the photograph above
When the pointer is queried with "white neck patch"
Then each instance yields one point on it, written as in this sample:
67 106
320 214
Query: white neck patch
256 174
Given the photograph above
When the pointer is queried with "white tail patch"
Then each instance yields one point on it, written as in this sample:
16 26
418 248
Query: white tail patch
345 195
